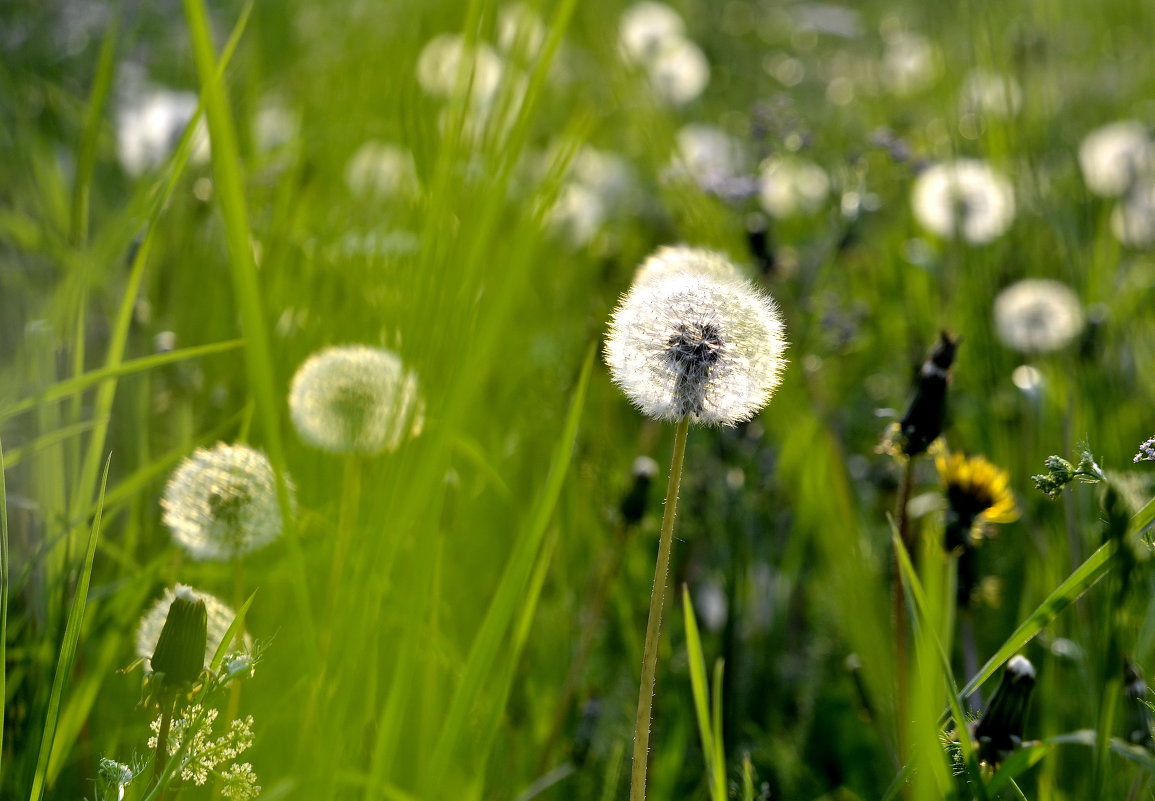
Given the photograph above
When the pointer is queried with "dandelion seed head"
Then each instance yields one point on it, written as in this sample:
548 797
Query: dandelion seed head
355 399
964 198
1114 156
221 502
645 28
220 616
150 124
446 56
707 155
520 30
381 169
691 340
792 186
910 63
991 93
1037 315
679 72
1133 219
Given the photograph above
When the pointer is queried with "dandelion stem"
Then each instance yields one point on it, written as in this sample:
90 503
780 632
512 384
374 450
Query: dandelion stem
161 758
653 625
346 518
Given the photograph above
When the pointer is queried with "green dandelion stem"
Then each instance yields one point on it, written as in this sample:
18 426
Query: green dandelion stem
899 611
657 597
161 759
346 517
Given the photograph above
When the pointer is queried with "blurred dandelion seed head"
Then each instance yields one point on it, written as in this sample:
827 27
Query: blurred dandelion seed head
964 198
219 615
645 28
679 72
221 502
150 123
1115 156
382 170
446 58
1037 315
1133 219
691 340
706 155
792 186
991 93
520 30
910 63
355 399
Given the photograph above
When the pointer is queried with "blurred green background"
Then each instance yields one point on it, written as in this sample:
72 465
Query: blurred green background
485 639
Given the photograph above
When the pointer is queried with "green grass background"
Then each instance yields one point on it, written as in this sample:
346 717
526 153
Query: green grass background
436 667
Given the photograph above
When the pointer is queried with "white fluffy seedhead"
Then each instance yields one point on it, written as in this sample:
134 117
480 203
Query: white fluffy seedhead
691 338
964 198
1038 315
355 399
221 502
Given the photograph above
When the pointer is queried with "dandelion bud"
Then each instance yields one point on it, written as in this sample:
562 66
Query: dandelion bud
355 399
691 341
218 618
633 506
1000 730
221 503
925 416
1137 715
180 650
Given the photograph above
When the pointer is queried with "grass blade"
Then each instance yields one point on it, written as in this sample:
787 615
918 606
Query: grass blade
230 633
701 693
3 599
67 652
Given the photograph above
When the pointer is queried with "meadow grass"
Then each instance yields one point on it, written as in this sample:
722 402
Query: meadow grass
464 616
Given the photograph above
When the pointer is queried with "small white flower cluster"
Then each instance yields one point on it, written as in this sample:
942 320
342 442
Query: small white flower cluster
651 35
965 198
693 339
204 752
1118 161
356 399
221 503
239 783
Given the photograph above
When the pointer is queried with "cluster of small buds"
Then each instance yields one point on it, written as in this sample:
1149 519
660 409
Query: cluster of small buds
1146 452
116 776
1060 473
203 753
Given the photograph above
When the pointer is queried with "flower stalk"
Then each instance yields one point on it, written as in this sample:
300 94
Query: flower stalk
654 623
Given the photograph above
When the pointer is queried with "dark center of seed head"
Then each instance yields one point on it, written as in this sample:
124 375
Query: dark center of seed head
694 347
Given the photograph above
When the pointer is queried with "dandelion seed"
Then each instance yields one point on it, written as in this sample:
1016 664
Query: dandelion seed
219 616
791 186
690 342
355 399
221 503
1037 315
1114 156
964 198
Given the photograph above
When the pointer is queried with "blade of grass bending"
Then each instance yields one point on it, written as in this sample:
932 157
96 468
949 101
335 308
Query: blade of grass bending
1084 577
499 617
17 455
916 592
79 383
67 652
701 693
229 190
230 633
3 599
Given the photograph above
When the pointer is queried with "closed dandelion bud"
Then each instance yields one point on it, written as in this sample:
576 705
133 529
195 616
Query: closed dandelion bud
925 416
355 399
218 617
633 506
221 503
180 650
690 340
1137 715
1000 730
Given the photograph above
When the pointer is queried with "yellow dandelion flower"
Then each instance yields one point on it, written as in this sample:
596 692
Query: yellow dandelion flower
977 491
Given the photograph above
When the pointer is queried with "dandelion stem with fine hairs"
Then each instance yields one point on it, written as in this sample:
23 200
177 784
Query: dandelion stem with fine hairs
161 759
653 625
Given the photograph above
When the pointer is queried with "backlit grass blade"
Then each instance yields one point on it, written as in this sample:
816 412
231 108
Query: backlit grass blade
231 633
501 612
93 115
1064 595
3 599
716 774
67 654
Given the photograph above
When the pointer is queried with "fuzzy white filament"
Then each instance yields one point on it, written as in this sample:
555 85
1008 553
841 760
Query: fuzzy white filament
692 339
220 617
221 503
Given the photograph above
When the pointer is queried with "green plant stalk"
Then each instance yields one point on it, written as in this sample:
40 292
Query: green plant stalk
653 625
899 611
3 598
161 758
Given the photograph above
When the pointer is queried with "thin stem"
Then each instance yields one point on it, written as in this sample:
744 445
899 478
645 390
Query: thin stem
899 611
657 597
161 759
346 519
